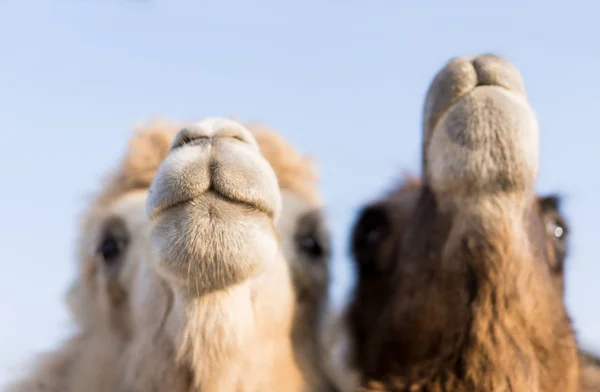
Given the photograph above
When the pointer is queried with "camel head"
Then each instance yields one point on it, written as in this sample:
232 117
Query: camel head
380 223
375 248
460 275
303 238
109 231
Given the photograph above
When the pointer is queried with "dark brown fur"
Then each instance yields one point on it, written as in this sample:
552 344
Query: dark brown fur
374 246
381 235
457 290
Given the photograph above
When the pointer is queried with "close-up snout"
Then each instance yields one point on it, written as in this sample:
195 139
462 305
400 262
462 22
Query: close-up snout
463 74
480 133
217 156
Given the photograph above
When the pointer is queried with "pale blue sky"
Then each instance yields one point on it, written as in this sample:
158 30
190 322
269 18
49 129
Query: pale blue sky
343 79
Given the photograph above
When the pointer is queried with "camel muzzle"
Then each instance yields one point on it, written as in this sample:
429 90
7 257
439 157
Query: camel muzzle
480 133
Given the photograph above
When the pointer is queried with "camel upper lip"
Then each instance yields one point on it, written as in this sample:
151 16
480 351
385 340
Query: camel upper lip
157 211
458 98
256 206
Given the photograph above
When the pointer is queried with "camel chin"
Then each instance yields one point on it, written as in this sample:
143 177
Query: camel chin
213 202
484 138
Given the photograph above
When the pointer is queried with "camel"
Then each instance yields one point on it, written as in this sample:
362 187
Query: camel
212 206
458 275
304 241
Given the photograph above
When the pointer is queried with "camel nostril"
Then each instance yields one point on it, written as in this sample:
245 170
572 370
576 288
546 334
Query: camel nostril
236 134
492 70
186 137
211 131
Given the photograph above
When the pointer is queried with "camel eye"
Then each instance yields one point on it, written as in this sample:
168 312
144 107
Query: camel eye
311 246
113 241
110 249
557 229
373 235
556 226
371 228
312 238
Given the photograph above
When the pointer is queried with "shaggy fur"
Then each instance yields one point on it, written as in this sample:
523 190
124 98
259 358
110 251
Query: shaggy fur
147 148
374 235
462 296
304 242
296 173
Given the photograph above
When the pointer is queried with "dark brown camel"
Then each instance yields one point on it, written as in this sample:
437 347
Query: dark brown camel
458 293
380 222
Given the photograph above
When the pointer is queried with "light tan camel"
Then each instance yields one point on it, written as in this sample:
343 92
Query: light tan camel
463 296
301 228
227 323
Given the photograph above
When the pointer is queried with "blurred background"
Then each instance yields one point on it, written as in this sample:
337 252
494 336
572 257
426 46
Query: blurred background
344 80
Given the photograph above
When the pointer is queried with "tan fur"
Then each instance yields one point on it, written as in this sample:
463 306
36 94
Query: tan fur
398 205
146 150
463 298
294 171
51 370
